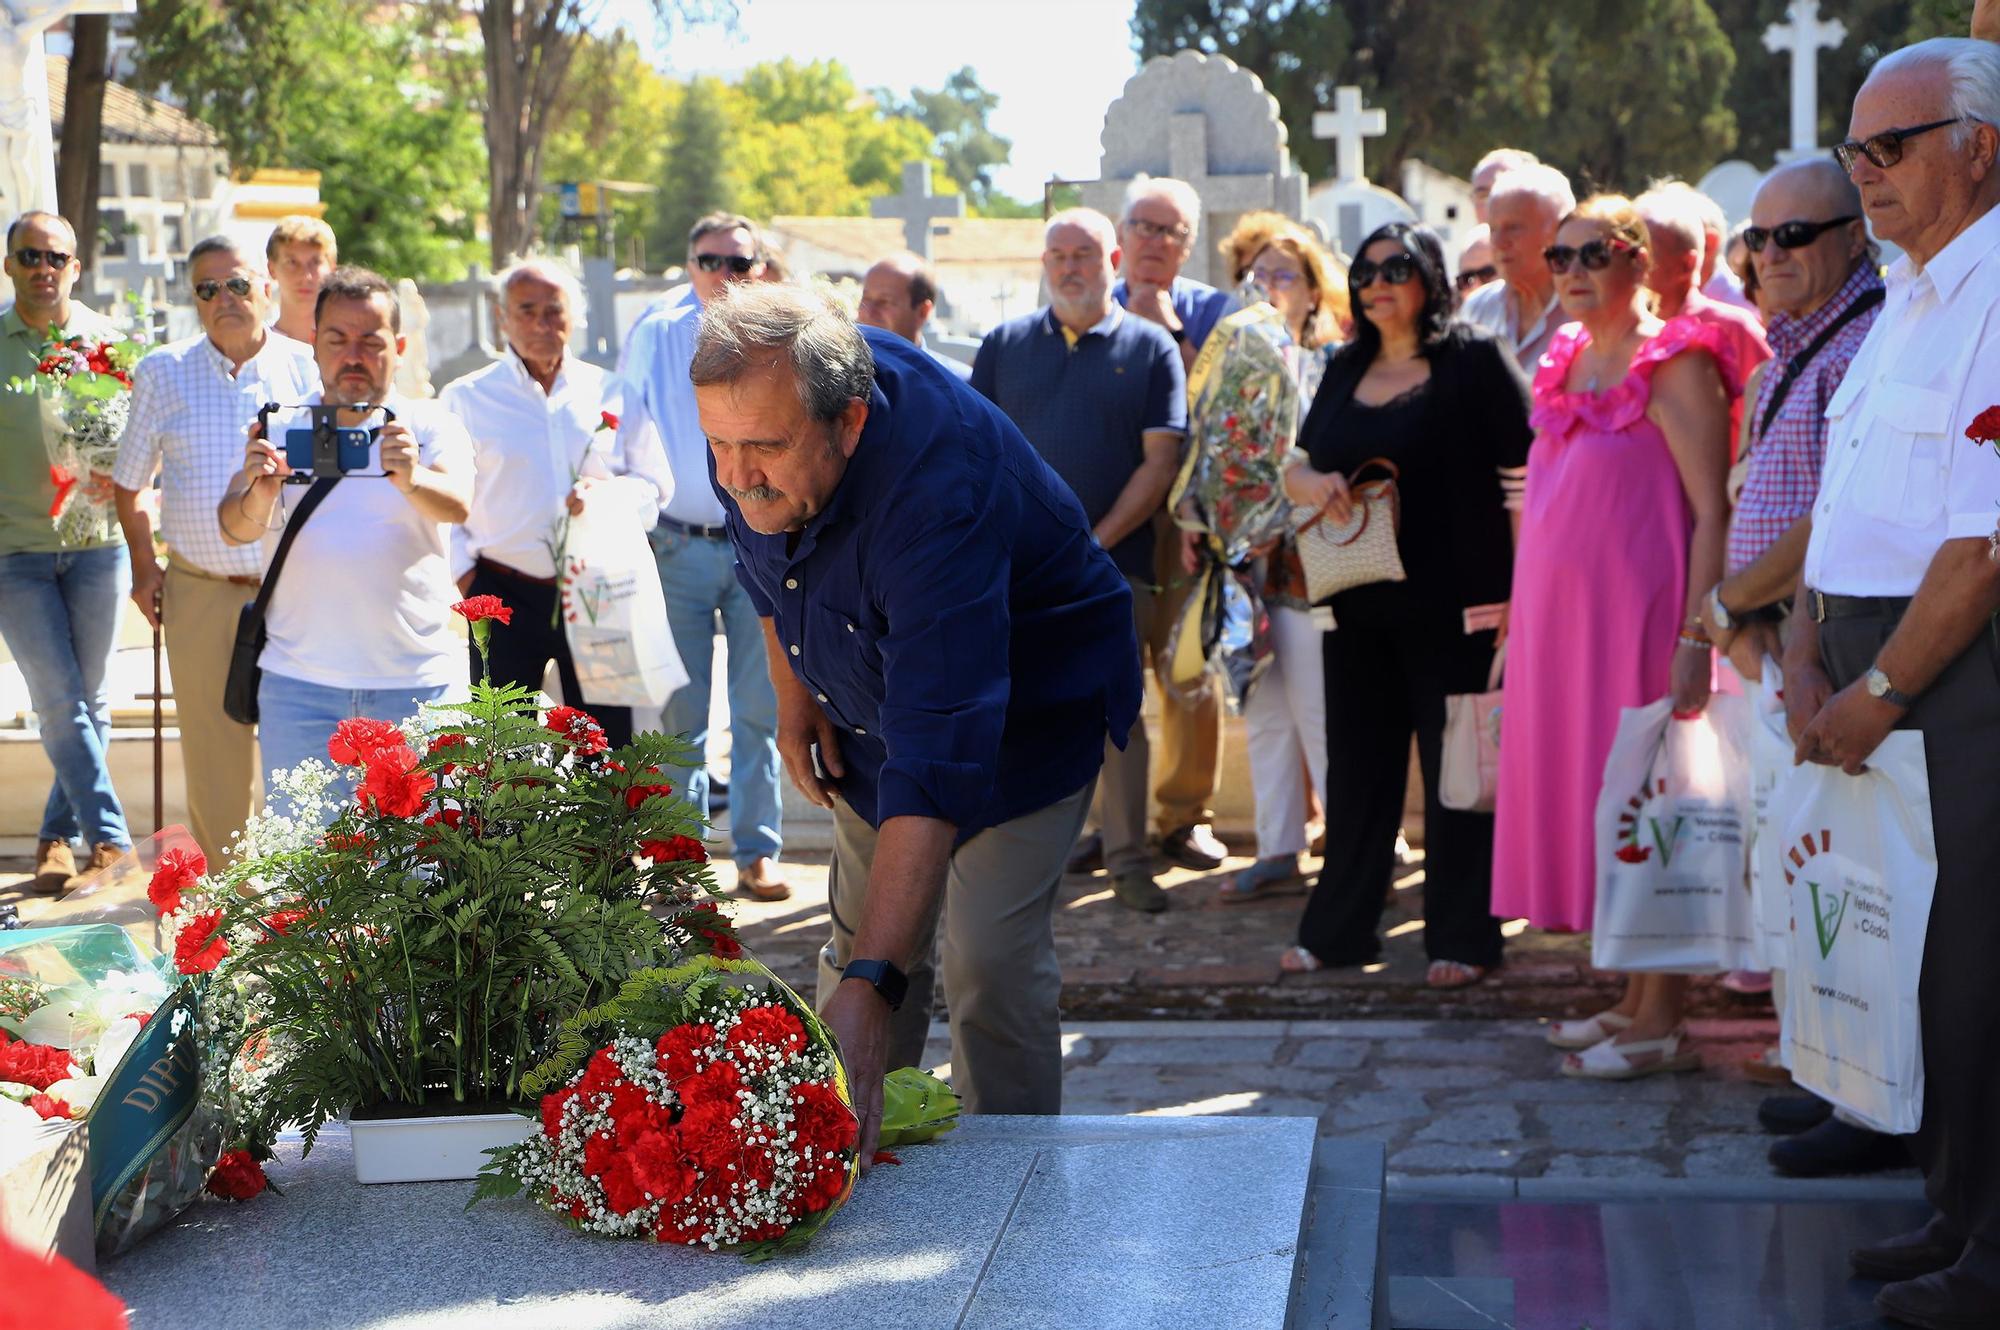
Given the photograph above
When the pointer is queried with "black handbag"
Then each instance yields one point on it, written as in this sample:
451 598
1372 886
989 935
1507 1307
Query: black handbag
239 691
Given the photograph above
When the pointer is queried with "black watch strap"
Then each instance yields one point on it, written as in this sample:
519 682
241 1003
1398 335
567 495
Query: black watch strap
886 979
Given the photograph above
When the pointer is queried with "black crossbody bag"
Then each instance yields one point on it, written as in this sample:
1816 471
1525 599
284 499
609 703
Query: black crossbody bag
239 692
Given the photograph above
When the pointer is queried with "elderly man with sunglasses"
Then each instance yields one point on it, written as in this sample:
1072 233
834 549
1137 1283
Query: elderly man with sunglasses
1525 207
697 567
1894 620
191 403
58 601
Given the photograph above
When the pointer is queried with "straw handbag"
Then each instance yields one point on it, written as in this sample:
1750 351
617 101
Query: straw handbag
1337 556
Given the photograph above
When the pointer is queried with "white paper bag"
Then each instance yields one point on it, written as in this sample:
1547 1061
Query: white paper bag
1861 861
1771 766
1672 824
614 614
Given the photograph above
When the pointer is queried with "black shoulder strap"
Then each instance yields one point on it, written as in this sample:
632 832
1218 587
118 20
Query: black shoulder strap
319 491
1796 366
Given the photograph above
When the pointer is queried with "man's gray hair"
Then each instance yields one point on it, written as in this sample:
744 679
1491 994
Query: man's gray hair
1971 70
753 325
226 244
1177 192
1671 209
541 270
1090 219
1539 182
1507 159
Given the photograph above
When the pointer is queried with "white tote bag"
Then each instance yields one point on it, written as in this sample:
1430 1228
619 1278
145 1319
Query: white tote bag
613 612
1771 766
1672 825
1861 861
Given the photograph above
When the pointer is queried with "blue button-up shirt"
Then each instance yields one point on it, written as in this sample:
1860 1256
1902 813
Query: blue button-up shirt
949 610
1197 305
659 431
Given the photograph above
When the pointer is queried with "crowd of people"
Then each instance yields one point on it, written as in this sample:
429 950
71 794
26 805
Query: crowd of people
1636 456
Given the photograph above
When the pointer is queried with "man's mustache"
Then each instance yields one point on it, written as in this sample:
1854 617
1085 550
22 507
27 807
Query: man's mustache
760 494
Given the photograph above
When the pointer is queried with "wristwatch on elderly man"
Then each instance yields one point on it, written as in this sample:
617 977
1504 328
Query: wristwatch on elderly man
1878 685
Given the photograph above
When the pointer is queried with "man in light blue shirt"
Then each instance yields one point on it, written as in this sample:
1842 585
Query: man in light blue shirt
697 564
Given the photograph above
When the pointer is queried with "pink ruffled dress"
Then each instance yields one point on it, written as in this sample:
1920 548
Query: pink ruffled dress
1600 584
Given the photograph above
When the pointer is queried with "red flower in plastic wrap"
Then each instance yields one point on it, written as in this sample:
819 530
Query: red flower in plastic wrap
767 1026
176 872
34 1065
281 921
638 794
444 743
355 741
706 921
47 1107
675 849
552 1111
601 1075
821 1119
681 1050
477 609
237 1176
394 786
201 945
579 728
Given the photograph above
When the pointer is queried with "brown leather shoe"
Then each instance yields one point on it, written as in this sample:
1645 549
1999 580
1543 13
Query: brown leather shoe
101 858
764 880
55 865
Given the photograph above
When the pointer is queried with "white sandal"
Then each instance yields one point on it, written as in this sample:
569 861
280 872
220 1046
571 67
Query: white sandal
1588 1032
1297 960
1612 1061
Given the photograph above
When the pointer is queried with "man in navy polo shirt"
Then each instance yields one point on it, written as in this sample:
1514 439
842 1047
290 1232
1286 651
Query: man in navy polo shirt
1102 396
951 652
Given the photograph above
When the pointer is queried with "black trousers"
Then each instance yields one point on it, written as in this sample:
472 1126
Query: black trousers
1958 998
522 650
1390 665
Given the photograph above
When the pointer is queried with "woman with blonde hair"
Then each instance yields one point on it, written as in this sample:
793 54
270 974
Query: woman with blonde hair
1621 535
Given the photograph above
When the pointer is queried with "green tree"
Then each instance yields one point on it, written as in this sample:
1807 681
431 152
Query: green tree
695 175
613 127
238 68
957 115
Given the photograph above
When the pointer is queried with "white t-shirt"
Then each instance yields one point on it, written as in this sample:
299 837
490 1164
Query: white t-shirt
365 597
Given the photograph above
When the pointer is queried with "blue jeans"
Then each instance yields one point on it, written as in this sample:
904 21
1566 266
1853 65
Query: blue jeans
296 718
699 578
59 615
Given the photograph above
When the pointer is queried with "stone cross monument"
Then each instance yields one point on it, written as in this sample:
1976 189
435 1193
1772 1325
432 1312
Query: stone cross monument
916 206
1803 35
27 145
1349 124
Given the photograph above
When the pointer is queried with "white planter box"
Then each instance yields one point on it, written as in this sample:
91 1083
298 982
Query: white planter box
432 1149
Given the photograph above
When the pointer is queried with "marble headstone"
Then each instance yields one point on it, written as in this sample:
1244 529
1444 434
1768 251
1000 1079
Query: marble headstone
1202 119
1733 185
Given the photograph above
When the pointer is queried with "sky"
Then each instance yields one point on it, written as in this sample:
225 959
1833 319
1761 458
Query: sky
1055 64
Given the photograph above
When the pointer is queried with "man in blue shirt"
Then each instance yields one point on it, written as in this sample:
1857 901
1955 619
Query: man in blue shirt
951 651
1102 397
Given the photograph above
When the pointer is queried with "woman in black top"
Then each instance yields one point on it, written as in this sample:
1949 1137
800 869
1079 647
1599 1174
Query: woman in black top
1448 405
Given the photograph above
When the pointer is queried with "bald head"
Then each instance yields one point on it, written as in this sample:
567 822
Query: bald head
898 294
1798 280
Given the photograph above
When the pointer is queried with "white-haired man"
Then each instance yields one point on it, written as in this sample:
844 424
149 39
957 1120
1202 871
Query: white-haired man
544 450
1896 610
1675 229
191 403
1475 262
1489 169
899 294
1718 280
1527 204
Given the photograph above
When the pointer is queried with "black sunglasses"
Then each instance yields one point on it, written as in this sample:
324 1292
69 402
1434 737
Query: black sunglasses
736 263
208 290
1884 149
1471 277
34 258
1396 270
1791 235
1595 255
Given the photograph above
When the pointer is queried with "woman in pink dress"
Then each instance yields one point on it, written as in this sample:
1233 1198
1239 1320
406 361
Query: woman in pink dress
1622 529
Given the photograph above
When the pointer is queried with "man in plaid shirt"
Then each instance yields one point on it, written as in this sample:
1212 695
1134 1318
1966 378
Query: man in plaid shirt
1816 267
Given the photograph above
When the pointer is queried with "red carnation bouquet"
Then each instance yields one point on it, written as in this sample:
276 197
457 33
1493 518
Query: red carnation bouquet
716 1115
85 387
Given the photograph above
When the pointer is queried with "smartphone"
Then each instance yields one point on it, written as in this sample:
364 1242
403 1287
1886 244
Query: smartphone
347 449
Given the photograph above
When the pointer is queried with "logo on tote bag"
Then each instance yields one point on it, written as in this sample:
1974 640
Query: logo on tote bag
1640 836
1828 913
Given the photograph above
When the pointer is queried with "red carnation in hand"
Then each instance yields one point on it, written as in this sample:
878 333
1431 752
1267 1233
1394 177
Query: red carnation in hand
176 872
674 849
606 421
579 728
394 786
355 742
237 1176
1985 427
201 946
477 609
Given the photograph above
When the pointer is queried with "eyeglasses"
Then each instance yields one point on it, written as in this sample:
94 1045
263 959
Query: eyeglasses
1396 270
1595 255
1277 279
1472 277
736 263
1146 230
34 258
236 286
1791 235
1884 149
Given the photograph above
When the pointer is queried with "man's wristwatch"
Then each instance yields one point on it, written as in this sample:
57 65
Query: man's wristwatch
1718 611
1879 686
887 980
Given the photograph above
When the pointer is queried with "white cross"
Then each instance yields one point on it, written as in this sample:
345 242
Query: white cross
1187 159
916 205
132 271
1348 124
1803 36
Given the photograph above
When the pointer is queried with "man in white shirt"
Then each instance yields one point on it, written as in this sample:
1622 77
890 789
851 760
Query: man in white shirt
1895 623
543 451
899 293
191 402
697 563
1526 206
359 623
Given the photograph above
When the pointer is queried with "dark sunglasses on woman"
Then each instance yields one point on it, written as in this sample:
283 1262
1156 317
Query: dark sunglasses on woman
1595 256
1791 235
1395 270
737 263
236 286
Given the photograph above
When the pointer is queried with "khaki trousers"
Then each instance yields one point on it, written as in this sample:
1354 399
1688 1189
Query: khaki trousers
1190 769
218 756
998 958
